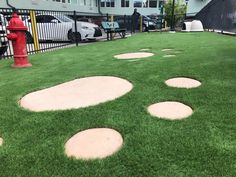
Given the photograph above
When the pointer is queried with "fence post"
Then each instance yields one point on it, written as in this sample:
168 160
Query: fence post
112 20
125 25
107 32
76 30
223 16
34 30
141 23
172 28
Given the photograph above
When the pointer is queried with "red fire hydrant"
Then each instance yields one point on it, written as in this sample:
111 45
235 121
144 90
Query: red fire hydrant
18 38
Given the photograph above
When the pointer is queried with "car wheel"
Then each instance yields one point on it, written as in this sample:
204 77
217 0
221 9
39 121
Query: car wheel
72 36
144 28
29 38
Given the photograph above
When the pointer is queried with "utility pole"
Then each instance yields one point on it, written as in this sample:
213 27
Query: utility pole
172 28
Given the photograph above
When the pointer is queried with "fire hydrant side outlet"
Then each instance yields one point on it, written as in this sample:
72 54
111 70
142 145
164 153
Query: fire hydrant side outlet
18 38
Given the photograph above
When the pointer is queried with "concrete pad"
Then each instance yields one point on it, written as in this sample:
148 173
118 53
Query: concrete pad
94 143
78 93
1 141
166 50
135 55
169 56
170 110
183 82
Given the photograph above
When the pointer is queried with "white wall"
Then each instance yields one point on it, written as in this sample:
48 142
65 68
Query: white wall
195 6
49 5
118 10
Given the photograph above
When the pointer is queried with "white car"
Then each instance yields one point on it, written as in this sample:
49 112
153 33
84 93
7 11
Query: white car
3 39
61 28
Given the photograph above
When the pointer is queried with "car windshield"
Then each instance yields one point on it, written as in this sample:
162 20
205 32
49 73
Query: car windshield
146 18
64 18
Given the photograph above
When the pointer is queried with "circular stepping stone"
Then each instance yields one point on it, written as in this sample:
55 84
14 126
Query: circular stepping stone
169 56
170 110
134 55
165 50
1 141
78 93
94 143
183 82
144 50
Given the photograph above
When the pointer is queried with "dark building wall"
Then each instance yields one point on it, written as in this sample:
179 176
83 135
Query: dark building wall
219 15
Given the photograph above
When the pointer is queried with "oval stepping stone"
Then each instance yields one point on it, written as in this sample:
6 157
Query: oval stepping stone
1 141
144 50
169 56
170 110
134 55
78 93
183 82
165 50
94 143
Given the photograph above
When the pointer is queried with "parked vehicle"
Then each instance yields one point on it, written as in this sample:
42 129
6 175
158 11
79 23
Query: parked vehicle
147 23
61 28
3 38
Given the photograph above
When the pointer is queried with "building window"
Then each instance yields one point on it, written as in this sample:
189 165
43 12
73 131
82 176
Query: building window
145 3
103 3
107 3
153 3
63 1
110 3
124 3
138 3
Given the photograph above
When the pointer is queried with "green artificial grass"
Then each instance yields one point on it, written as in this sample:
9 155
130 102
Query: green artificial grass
203 144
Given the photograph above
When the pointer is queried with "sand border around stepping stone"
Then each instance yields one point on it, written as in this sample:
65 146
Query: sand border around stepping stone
170 110
133 55
93 143
183 82
87 88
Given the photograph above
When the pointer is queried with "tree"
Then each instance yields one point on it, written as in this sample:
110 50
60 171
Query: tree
180 11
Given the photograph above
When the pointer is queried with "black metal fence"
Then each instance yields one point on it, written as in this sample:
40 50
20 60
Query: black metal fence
48 30
219 15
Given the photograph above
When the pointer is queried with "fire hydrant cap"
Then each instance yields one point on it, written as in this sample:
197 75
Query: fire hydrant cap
16 24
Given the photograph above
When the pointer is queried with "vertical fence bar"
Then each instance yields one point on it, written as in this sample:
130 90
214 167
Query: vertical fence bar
125 25
76 30
111 34
141 23
107 32
172 16
34 30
